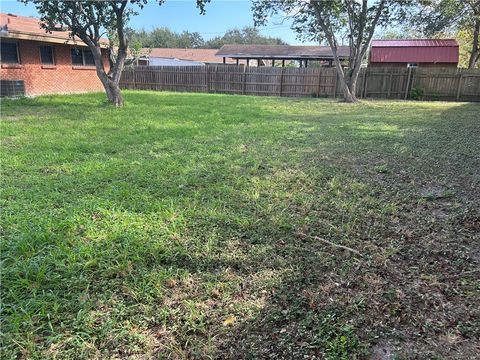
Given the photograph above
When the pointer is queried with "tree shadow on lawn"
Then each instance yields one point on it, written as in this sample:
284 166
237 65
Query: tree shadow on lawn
127 269
414 288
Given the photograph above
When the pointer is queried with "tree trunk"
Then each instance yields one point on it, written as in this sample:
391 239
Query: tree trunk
349 98
358 48
353 87
348 94
349 86
113 92
475 53
109 82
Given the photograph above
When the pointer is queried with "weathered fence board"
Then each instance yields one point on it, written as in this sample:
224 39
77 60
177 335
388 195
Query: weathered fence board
390 83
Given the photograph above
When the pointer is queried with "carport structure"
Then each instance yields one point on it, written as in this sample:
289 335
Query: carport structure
282 53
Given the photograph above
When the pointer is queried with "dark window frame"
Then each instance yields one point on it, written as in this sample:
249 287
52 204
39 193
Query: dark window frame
84 62
17 47
74 53
54 62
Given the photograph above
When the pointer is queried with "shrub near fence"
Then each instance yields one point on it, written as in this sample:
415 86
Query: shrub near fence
390 83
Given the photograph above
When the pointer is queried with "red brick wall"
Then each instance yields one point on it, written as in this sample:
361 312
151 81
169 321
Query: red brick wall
62 77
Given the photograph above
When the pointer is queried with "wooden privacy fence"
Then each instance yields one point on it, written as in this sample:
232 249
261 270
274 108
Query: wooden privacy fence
390 83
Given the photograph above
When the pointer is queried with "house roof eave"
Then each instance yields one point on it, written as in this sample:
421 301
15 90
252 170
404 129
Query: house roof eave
49 39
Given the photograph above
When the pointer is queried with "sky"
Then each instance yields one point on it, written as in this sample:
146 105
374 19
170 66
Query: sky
179 15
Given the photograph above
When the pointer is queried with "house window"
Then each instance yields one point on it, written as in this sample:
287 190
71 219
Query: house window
88 58
77 57
82 57
9 53
412 65
46 55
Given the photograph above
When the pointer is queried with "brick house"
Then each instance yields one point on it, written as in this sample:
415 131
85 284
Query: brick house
47 63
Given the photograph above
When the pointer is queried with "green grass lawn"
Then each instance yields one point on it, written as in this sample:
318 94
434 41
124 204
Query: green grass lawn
193 226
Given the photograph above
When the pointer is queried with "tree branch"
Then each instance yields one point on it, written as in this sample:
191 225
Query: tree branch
334 245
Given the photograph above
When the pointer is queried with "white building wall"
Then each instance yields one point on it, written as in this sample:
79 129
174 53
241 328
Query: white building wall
173 62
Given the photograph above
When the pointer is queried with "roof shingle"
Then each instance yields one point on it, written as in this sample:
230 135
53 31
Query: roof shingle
281 51
28 28
202 55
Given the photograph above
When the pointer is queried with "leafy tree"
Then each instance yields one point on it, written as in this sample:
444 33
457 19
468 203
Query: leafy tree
166 38
89 21
465 38
248 35
400 33
192 40
459 17
320 20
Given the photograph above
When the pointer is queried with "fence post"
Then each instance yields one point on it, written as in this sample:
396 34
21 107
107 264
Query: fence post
364 84
383 83
244 80
281 81
319 81
409 76
459 86
335 84
134 82
390 85
208 77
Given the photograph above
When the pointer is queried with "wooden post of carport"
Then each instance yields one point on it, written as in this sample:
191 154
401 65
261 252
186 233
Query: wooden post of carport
283 62
273 62
224 60
237 61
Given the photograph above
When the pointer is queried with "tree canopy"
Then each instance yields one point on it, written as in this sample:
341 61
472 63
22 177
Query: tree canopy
165 38
246 36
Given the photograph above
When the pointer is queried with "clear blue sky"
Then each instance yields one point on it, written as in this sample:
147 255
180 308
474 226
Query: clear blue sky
180 15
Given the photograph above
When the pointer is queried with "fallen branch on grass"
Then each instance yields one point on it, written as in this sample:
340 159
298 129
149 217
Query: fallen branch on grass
461 274
333 244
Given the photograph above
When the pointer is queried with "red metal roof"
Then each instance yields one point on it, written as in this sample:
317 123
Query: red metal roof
434 51
414 42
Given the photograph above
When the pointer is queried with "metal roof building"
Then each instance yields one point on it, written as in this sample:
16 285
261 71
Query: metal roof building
180 57
417 52
303 54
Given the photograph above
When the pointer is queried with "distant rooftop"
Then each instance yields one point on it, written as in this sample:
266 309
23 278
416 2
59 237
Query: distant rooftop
202 55
415 43
28 28
431 51
281 52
